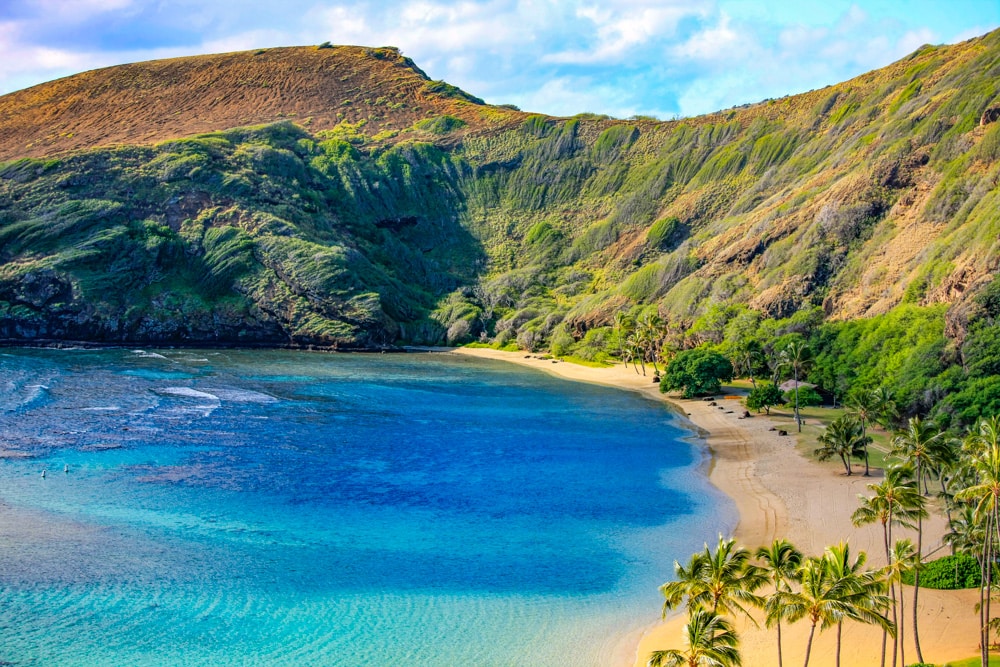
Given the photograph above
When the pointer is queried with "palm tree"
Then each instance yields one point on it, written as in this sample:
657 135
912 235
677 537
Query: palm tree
844 437
650 325
747 359
819 599
873 406
983 447
781 564
864 589
922 444
623 324
903 559
711 642
897 502
796 356
722 581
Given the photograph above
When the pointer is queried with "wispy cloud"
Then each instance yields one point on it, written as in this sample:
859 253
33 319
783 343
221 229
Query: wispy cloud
660 57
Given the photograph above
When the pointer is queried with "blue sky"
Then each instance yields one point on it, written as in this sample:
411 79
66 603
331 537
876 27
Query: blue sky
621 57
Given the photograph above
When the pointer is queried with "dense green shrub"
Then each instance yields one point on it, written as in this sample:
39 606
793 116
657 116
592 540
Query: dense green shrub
807 396
764 395
439 124
696 372
948 573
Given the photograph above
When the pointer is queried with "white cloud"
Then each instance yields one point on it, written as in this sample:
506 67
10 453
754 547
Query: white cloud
614 36
719 42
557 56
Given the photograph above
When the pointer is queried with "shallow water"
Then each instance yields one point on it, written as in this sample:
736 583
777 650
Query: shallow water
293 508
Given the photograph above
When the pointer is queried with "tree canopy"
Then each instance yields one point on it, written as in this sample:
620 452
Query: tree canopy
696 372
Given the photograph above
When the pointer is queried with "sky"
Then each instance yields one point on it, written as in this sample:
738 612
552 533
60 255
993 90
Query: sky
663 58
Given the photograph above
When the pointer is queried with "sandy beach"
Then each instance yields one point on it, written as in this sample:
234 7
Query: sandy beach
781 493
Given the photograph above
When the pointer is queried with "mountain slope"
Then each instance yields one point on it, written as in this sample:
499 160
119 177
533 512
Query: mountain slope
165 99
378 206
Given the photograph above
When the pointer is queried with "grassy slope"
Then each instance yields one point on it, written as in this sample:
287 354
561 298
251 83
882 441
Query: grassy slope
390 207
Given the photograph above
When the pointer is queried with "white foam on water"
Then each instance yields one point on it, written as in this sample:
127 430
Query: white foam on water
242 396
187 392
103 408
143 354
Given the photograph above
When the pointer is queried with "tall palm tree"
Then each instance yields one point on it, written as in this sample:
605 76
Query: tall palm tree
844 437
983 448
650 325
747 359
903 558
711 642
796 356
871 406
781 563
922 444
864 590
722 581
623 324
819 599
896 502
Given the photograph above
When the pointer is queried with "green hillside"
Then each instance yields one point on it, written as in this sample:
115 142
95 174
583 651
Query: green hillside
421 215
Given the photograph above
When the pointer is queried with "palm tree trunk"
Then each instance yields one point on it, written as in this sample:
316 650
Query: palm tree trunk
779 644
798 420
916 586
902 616
840 626
985 584
864 436
885 633
896 621
989 582
809 644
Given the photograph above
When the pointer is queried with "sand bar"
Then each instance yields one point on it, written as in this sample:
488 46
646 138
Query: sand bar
780 493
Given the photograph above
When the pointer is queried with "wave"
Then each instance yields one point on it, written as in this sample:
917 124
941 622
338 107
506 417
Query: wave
143 354
243 396
187 392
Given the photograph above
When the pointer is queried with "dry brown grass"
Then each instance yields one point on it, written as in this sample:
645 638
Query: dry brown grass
147 102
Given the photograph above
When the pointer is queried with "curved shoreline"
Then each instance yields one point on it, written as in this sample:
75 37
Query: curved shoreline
780 493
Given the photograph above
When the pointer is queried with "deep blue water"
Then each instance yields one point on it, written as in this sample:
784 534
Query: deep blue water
272 507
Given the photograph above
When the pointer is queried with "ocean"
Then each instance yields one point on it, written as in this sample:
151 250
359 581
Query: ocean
219 507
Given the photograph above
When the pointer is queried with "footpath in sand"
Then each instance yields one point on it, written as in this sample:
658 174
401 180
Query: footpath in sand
780 493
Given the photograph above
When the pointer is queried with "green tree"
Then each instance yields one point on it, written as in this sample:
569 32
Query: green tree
845 438
817 600
720 581
796 357
982 446
903 559
695 372
764 395
922 444
781 563
871 406
711 642
864 590
896 502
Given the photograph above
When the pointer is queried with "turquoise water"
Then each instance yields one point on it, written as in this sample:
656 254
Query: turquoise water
294 508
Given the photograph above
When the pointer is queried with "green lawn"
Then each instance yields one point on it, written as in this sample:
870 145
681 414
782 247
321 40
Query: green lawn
815 420
974 662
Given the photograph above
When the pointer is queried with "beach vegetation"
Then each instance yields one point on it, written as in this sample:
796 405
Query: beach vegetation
780 563
709 639
807 397
825 590
764 396
844 438
953 572
696 372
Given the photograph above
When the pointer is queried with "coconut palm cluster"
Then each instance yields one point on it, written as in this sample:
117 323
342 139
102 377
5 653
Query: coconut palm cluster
777 584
